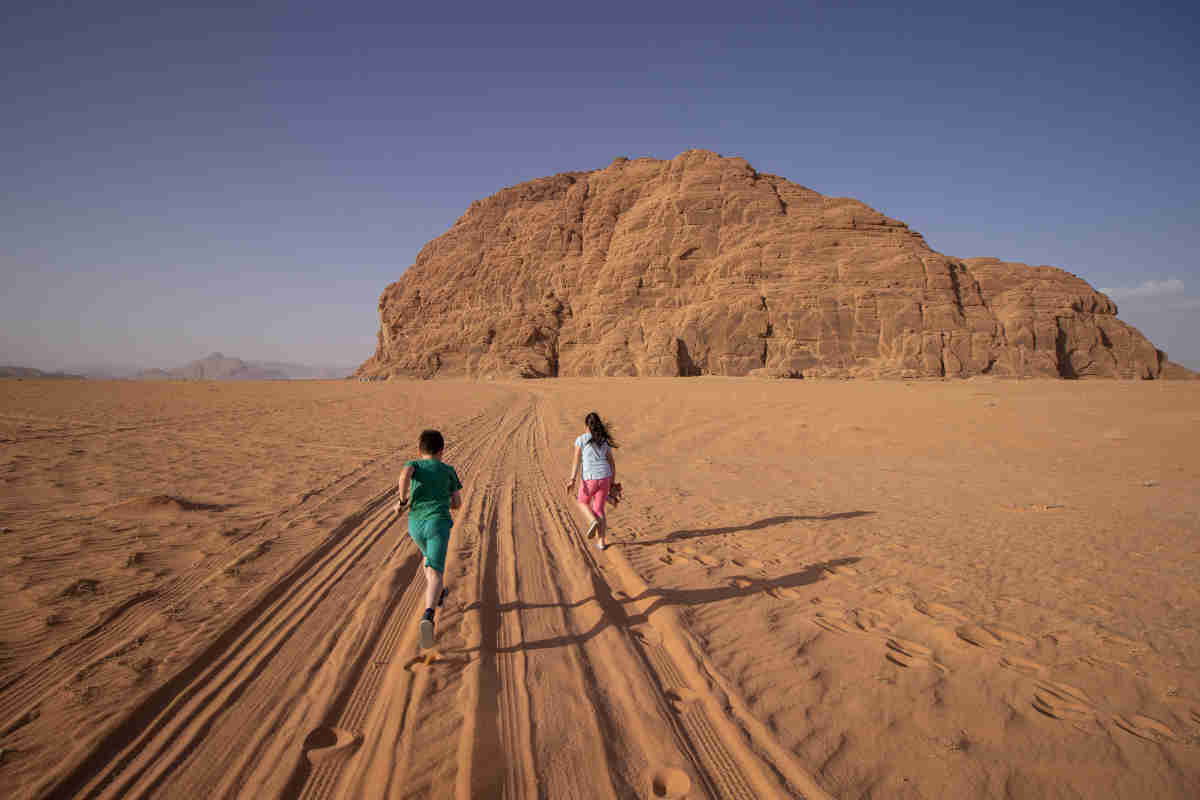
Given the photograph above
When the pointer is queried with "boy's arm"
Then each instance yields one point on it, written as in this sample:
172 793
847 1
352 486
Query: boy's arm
456 499
405 483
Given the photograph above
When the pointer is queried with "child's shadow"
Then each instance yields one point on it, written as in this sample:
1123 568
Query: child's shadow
614 612
675 536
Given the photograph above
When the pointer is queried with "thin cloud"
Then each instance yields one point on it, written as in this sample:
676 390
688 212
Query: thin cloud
1147 289
1184 304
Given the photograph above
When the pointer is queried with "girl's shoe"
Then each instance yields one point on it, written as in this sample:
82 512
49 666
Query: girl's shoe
601 546
591 531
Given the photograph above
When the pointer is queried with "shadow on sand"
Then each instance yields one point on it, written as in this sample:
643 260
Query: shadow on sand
613 608
675 536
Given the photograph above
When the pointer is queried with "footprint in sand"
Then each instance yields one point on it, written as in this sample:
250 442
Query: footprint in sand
788 592
682 699
939 611
1036 507
908 648
1060 638
1063 701
978 636
1024 666
1145 728
708 561
870 621
841 569
648 635
1100 663
422 661
327 743
752 563
832 621
1117 640
1008 635
669 783
893 590
907 653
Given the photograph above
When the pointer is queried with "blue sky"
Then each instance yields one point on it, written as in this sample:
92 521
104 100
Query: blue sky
179 181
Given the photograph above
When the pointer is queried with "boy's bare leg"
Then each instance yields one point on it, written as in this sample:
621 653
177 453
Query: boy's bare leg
433 587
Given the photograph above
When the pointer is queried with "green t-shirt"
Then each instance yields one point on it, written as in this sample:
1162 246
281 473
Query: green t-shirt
432 484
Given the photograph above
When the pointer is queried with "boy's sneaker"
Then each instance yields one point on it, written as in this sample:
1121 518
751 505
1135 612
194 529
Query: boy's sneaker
427 630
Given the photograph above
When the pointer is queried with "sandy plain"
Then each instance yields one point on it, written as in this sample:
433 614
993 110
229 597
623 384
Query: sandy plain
971 589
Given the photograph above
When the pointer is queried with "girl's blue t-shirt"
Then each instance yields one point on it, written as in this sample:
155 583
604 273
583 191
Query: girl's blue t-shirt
595 458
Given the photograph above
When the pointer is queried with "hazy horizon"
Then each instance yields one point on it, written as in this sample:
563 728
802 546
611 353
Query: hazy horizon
106 369
249 181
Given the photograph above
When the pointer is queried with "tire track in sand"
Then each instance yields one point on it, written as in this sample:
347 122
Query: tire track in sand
547 681
453 717
564 695
386 710
126 618
23 692
523 717
153 744
731 758
353 667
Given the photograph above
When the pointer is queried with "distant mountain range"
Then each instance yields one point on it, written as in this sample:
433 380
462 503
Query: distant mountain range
30 372
214 367
219 367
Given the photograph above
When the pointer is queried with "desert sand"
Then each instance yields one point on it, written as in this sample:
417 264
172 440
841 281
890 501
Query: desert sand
945 589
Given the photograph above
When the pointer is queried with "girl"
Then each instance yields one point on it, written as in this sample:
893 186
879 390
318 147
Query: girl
594 453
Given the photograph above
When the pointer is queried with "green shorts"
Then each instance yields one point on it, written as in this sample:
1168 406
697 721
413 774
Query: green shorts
432 536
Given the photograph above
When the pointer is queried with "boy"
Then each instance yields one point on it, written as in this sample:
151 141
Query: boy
435 490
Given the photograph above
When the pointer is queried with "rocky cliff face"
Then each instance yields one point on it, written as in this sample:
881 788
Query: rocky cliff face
701 265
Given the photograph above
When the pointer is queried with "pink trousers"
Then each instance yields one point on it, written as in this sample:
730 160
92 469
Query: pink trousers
594 493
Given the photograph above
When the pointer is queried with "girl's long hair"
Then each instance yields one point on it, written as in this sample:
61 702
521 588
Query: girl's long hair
600 434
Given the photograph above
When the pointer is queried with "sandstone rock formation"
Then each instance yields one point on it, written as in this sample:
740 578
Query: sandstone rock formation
702 265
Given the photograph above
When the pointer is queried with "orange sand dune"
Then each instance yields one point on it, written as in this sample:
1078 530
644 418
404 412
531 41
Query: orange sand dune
815 589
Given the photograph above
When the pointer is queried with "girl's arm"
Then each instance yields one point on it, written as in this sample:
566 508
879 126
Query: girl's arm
612 464
574 468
